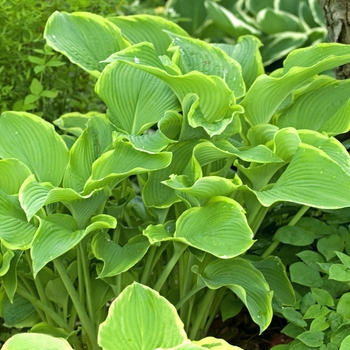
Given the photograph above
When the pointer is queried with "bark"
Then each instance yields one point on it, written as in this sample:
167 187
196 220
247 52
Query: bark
337 17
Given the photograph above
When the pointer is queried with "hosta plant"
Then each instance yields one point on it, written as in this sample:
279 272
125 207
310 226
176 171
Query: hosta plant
169 188
281 25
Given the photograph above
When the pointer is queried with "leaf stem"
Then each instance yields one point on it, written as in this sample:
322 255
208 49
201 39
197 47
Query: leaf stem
179 248
83 316
292 222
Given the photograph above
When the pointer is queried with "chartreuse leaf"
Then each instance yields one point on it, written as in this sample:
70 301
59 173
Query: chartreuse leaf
246 282
124 160
246 53
34 142
36 341
139 28
215 97
168 131
324 109
13 173
34 195
304 181
300 65
85 38
58 233
214 343
193 54
345 344
148 321
74 122
15 231
136 100
227 21
91 144
155 193
118 259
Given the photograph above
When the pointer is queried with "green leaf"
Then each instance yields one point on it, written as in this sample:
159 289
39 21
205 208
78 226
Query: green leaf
322 297
59 233
36 87
246 53
158 324
36 341
305 275
15 231
124 160
277 46
136 100
328 246
140 28
91 144
74 123
227 21
219 228
13 173
300 65
254 6
324 108
246 282
215 97
294 235
85 38
19 313
118 259
345 344
35 143
197 55
192 14
275 274
216 344
312 338
275 21
304 181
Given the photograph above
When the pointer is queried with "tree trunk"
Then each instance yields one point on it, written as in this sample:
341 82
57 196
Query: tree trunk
337 16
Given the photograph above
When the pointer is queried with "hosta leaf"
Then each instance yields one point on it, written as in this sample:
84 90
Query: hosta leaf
275 274
35 143
310 179
246 282
15 231
168 131
246 53
157 322
219 228
9 279
156 194
139 28
13 173
36 341
193 54
214 343
227 21
275 21
194 13
136 100
90 146
277 46
19 313
85 38
300 65
58 233
115 165
118 259
254 6
324 109
215 97
33 196
74 122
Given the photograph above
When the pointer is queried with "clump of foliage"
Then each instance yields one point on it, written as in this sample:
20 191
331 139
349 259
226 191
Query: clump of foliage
282 26
168 192
35 78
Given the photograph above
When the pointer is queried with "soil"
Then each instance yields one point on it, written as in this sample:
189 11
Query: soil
242 332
